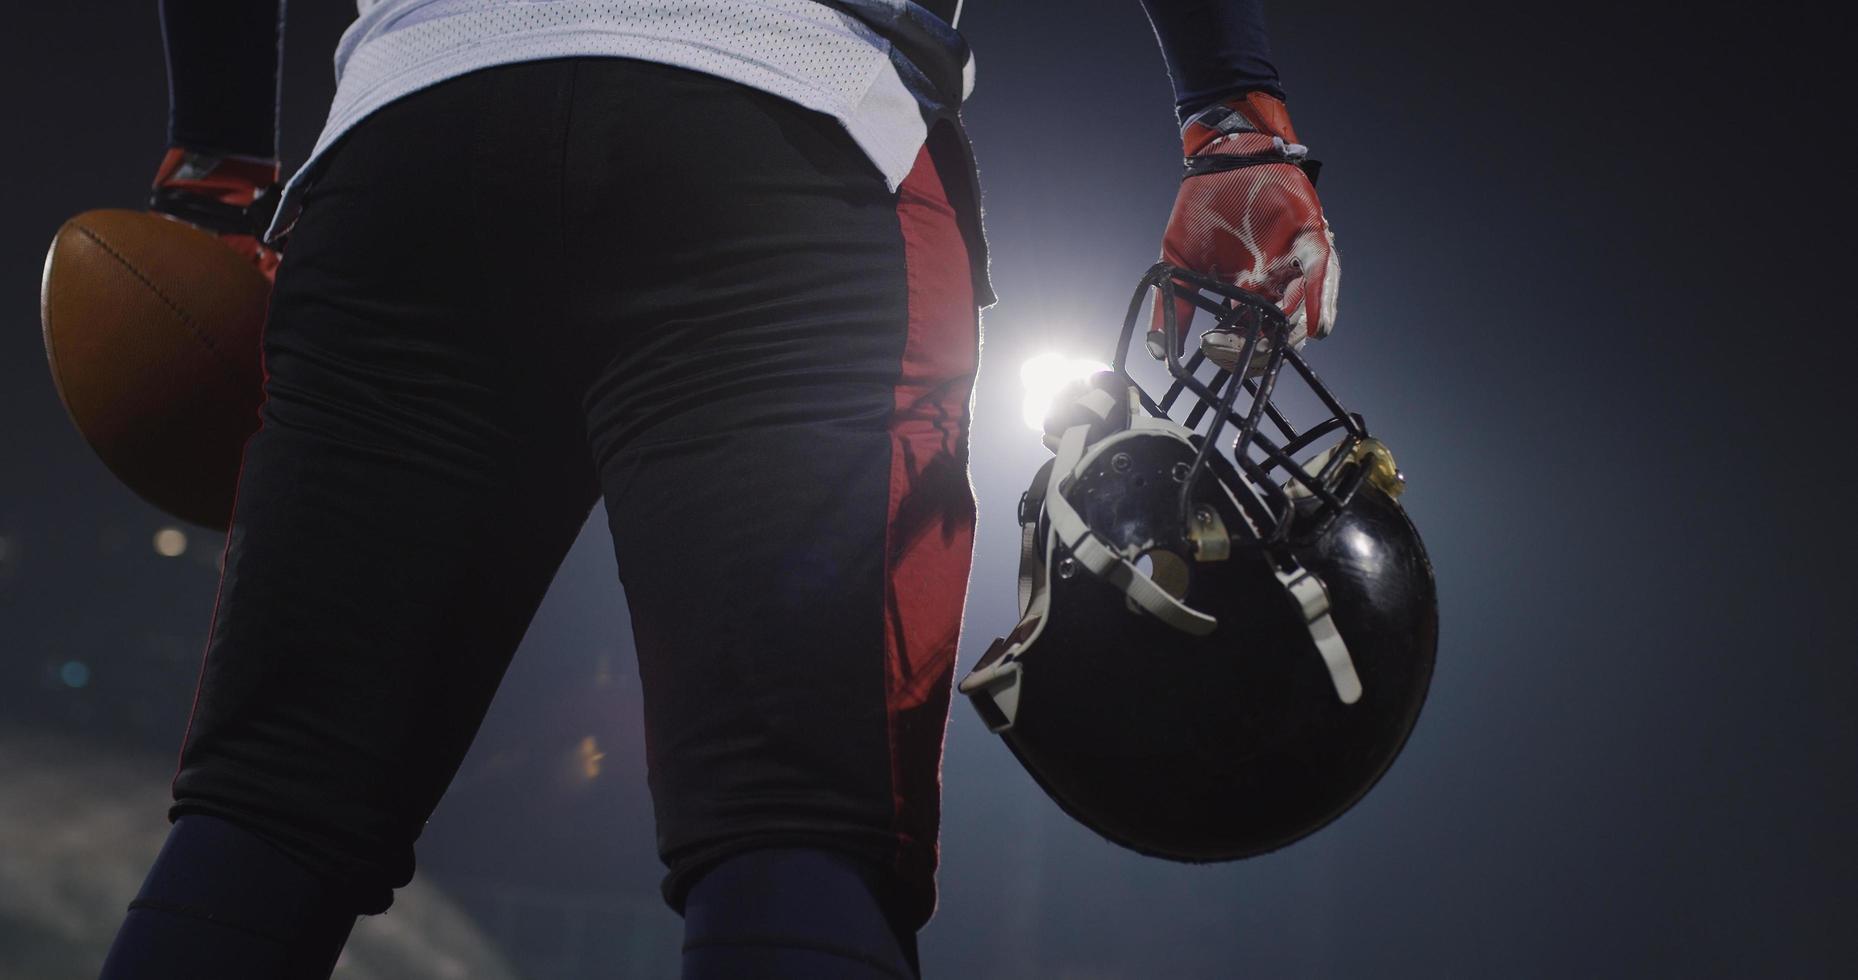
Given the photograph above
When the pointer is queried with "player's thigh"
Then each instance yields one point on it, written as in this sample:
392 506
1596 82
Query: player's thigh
420 471
781 421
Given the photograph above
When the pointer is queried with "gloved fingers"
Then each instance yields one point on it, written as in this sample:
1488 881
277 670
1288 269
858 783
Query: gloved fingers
1310 298
1321 279
1257 227
1183 308
219 195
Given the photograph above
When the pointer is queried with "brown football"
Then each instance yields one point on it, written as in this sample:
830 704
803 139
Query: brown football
152 331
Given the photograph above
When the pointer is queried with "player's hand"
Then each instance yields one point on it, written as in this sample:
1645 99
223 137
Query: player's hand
1247 214
232 197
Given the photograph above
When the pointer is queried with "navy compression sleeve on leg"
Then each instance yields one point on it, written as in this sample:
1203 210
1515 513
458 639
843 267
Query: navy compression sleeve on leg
782 913
1214 49
223 58
222 904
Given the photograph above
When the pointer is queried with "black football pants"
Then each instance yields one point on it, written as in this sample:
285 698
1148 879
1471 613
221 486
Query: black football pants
544 284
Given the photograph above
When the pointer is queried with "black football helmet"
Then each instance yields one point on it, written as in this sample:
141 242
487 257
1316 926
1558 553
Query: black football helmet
1223 643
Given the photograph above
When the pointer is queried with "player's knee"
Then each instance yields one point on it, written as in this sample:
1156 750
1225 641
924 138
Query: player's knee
358 848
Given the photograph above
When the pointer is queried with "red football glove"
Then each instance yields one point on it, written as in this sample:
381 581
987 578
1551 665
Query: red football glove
1257 225
230 196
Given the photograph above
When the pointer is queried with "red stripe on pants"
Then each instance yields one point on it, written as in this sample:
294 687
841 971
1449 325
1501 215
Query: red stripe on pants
929 543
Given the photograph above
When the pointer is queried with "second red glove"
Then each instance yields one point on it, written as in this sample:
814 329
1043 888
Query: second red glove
230 196
1247 214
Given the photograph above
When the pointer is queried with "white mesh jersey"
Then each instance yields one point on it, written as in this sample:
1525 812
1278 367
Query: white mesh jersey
818 56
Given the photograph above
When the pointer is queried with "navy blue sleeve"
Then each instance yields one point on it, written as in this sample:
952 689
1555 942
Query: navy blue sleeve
1214 49
223 74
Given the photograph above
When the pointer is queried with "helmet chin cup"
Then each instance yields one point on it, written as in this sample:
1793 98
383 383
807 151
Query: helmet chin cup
1227 622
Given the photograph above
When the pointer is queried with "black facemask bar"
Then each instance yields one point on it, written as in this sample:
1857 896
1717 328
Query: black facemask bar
1265 331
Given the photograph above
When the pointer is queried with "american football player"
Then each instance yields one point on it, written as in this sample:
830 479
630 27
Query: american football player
715 264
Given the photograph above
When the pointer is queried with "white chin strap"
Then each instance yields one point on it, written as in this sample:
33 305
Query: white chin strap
1308 590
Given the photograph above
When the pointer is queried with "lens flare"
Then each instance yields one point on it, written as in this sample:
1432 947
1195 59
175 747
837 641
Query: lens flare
170 542
1044 376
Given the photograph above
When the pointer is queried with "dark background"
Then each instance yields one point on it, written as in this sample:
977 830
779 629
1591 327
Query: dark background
1593 296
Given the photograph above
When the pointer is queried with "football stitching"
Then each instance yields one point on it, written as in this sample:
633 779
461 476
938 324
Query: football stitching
192 327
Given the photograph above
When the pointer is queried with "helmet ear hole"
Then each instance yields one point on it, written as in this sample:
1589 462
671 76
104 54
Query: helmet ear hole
1167 569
